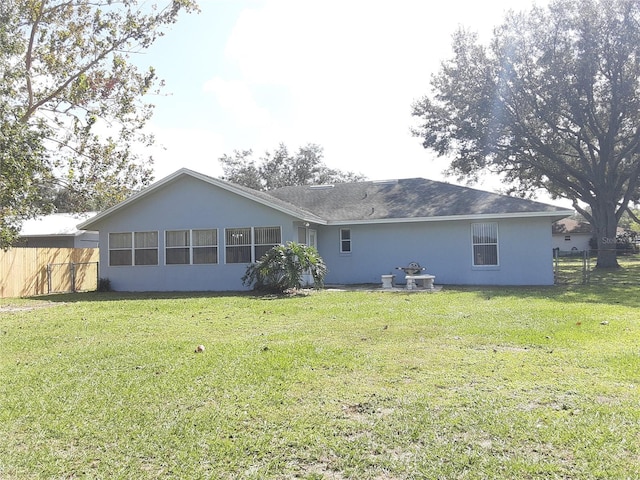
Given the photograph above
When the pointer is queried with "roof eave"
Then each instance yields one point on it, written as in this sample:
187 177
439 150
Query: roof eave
485 216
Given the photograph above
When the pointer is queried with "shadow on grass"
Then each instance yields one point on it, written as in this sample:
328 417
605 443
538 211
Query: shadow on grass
619 286
625 295
614 286
120 296
133 296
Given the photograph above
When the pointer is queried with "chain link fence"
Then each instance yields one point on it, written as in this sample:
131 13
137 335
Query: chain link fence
579 268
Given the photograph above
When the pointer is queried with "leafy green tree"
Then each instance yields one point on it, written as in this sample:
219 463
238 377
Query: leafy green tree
281 169
23 166
552 103
630 220
71 100
284 267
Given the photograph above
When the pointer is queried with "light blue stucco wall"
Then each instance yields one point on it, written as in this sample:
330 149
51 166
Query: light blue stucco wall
186 203
444 248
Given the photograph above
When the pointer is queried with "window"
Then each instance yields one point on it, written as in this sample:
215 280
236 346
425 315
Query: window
120 249
205 246
238 243
485 244
246 245
137 248
345 240
177 251
265 239
145 250
302 235
184 247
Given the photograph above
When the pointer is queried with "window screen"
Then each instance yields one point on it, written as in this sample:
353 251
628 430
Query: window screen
146 248
246 245
238 245
265 239
205 246
345 240
120 245
485 243
197 247
177 251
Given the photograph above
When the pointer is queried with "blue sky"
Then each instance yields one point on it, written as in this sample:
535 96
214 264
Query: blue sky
250 74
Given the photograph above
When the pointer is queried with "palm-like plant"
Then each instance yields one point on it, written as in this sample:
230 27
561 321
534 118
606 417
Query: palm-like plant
284 267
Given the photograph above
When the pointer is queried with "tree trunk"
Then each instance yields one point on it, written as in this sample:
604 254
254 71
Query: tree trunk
605 226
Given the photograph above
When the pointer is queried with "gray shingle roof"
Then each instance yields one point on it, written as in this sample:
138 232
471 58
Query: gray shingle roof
397 200
403 199
570 225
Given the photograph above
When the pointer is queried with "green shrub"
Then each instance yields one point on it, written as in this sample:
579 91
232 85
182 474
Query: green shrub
284 267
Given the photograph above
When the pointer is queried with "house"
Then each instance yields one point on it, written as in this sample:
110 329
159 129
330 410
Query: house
193 232
57 230
570 234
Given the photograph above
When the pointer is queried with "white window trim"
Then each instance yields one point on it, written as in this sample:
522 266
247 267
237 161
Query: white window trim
191 247
156 248
252 244
133 249
350 240
497 244
217 246
109 249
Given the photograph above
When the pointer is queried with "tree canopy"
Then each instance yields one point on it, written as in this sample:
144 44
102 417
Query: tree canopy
280 168
553 103
71 101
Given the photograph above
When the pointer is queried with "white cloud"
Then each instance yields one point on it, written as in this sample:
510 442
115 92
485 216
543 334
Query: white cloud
237 98
342 74
352 70
197 149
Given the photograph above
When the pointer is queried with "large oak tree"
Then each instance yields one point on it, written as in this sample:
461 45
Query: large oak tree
72 107
553 103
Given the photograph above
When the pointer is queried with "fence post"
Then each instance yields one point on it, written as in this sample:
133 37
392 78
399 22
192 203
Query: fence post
48 278
586 267
73 277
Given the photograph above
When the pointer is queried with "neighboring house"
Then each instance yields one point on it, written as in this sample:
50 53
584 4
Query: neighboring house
57 230
569 234
193 232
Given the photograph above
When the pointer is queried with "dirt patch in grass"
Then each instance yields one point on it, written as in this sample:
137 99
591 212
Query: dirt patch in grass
27 308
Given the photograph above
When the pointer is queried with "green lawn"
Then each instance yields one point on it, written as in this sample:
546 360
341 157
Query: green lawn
573 271
464 383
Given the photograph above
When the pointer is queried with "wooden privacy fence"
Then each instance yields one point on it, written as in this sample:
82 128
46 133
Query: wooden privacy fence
36 271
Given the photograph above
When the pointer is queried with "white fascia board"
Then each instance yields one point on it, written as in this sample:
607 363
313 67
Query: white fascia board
489 216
